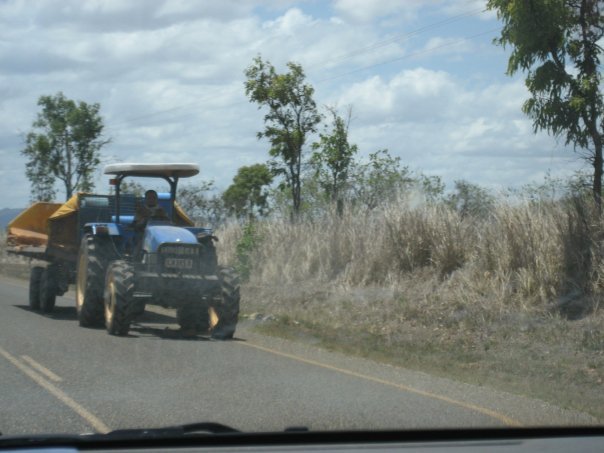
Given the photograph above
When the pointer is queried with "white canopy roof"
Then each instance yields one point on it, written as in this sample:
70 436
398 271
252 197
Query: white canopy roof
169 170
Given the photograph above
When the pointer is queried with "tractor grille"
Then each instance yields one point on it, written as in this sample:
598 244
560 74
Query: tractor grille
179 258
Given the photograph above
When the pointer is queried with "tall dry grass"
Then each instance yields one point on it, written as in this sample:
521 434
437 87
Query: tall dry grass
524 255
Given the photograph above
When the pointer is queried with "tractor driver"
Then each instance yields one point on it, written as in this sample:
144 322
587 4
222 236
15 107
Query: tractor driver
150 210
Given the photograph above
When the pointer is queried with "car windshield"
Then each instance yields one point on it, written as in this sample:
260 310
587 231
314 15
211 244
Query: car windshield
387 214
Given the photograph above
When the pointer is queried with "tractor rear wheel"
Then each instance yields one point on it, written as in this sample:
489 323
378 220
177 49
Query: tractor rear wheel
119 298
34 287
227 307
48 289
92 259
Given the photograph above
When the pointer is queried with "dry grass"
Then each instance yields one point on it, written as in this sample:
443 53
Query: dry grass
511 299
522 255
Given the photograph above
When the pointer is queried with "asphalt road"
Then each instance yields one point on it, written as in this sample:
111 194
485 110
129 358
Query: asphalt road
58 377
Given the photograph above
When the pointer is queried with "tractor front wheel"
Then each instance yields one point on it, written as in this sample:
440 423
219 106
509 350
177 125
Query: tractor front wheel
34 287
92 260
119 300
48 289
226 308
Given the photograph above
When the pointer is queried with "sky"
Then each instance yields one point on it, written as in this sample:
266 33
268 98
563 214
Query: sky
423 79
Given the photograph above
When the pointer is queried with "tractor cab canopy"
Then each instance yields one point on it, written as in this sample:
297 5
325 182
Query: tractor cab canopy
153 170
169 172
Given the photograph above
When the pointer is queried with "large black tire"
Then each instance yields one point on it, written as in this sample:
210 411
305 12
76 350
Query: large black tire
227 306
193 318
92 260
119 298
48 289
34 287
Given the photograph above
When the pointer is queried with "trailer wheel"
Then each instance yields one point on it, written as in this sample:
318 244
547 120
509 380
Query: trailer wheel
34 287
48 289
119 300
227 308
193 318
92 260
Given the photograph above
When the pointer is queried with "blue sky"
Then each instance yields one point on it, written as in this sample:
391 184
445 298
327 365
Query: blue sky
423 78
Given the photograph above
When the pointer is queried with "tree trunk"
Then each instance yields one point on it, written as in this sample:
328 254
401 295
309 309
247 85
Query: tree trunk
597 185
589 14
68 185
68 191
296 185
296 197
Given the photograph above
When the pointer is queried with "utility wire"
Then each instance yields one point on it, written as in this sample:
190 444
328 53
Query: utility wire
197 101
405 36
374 46
412 54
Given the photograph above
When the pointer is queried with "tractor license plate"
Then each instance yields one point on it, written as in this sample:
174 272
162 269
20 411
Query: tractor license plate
178 263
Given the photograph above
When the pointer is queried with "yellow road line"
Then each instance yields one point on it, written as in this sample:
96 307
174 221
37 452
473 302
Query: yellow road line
94 421
482 410
41 368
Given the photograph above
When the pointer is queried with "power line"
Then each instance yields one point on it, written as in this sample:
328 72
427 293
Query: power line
406 36
413 54
343 57
197 101
364 68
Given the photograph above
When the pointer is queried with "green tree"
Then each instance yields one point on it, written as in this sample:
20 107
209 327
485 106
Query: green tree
247 195
249 242
133 187
64 144
557 43
203 208
292 116
432 187
470 199
554 188
334 157
380 179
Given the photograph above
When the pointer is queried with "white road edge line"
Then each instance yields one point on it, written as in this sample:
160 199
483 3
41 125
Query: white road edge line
42 369
90 418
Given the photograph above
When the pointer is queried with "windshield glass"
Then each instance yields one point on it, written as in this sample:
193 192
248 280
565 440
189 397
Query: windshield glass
396 224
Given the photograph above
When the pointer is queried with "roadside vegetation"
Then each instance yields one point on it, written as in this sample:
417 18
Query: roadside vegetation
507 294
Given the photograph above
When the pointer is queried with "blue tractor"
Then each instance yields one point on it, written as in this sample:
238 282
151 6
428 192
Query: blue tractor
125 263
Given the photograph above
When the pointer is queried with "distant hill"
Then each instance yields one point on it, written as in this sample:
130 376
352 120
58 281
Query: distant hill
8 214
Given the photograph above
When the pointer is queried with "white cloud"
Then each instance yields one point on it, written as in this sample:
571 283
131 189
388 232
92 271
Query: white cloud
457 7
412 95
169 78
290 22
445 126
450 46
104 6
366 11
